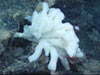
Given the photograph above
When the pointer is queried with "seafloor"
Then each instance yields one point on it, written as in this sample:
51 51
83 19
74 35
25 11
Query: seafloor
14 51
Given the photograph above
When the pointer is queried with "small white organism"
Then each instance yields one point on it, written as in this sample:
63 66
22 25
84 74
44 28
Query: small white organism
54 37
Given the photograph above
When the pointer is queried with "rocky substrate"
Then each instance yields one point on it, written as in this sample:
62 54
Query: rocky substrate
15 51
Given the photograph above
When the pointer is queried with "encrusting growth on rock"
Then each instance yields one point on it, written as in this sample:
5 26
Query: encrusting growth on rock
4 34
